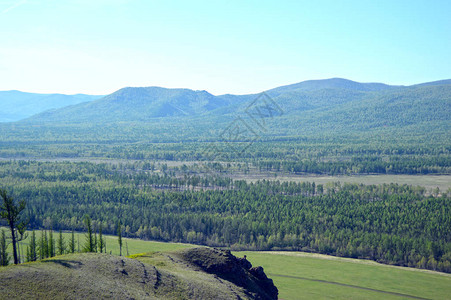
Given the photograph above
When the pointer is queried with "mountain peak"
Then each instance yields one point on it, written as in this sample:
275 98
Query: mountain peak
331 83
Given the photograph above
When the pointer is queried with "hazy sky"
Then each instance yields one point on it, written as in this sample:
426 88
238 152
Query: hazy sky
99 46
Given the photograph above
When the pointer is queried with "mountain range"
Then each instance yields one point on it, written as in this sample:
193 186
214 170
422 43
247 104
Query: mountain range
330 105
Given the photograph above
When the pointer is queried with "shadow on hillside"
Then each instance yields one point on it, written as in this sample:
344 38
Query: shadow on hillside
71 264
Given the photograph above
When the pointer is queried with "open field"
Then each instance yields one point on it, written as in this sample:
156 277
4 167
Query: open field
428 181
306 275
310 276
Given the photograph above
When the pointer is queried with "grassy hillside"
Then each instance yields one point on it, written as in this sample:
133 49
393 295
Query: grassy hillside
313 276
168 275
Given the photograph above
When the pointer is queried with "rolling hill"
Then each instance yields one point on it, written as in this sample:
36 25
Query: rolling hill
196 273
18 105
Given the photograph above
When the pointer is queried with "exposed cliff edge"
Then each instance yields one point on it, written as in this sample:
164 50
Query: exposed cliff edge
236 270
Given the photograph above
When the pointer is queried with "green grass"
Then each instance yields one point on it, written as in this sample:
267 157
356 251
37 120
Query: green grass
315 276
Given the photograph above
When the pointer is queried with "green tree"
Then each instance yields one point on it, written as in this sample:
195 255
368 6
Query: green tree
72 242
61 244
31 249
51 247
89 244
95 241
4 256
101 240
43 245
11 211
119 236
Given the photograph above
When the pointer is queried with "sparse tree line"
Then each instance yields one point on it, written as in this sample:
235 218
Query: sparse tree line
46 245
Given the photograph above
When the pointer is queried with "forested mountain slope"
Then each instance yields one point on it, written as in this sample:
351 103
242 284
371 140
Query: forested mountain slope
332 105
138 104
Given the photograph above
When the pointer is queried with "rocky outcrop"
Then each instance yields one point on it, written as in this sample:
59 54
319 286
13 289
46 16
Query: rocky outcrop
236 270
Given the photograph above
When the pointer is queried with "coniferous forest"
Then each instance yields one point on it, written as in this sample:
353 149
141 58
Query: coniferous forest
390 223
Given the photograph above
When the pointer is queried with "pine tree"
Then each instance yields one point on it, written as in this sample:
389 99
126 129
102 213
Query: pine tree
89 244
61 244
4 256
43 245
72 242
31 249
119 236
95 241
51 244
101 241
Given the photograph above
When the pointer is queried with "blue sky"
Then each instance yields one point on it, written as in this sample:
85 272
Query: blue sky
99 46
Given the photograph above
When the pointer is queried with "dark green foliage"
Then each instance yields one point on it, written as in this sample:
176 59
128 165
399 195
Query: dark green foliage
95 241
61 246
101 240
43 245
11 212
32 254
119 236
51 246
72 242
4 255
89 243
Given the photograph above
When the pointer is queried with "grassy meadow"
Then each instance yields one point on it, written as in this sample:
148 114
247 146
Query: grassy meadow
314 276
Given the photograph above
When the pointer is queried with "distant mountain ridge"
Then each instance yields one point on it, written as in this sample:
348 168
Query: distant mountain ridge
318 105
17 105
332 83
